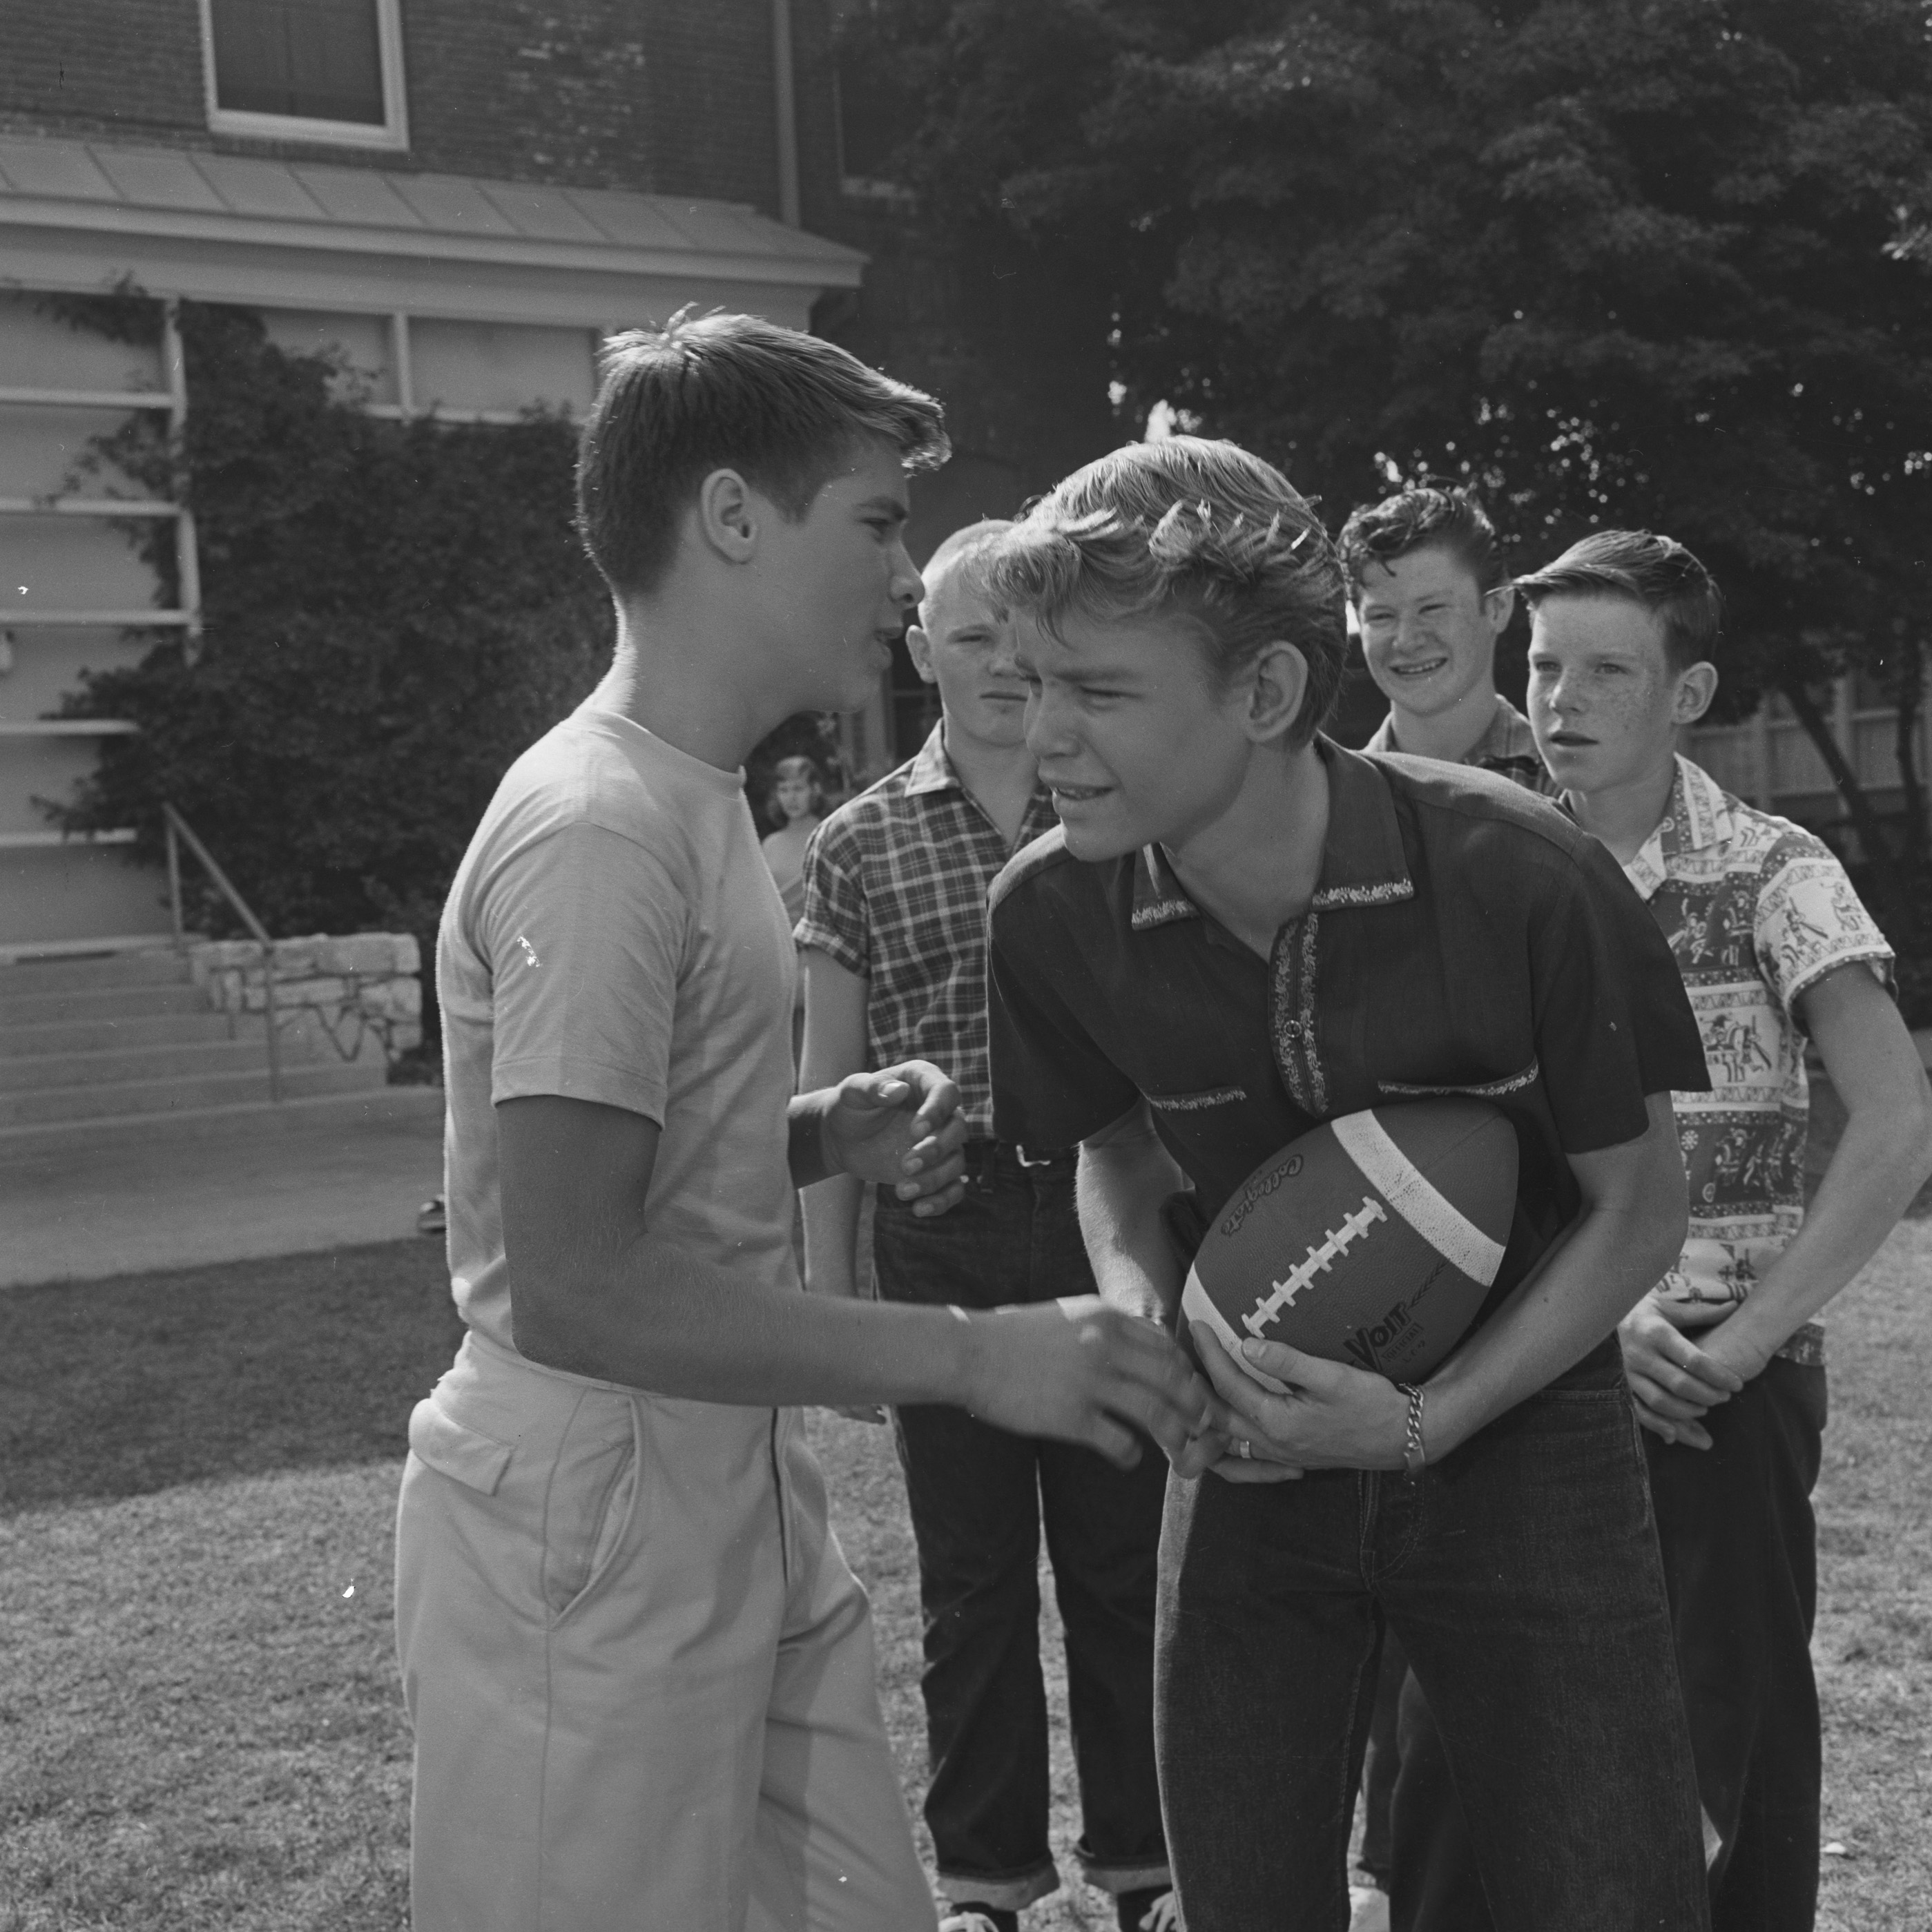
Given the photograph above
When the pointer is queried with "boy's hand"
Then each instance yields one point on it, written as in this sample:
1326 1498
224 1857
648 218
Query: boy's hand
902 1128
1084 1373
1673 1381
1332 1417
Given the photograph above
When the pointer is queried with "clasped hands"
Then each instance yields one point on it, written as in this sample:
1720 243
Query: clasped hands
1675 1381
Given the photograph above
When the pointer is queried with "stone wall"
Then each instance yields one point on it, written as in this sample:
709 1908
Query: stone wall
358 998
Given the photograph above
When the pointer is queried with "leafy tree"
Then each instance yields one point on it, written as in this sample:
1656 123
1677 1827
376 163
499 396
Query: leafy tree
1637 262
393 612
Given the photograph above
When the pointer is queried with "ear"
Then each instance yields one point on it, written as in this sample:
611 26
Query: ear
1277 686
1499 606
1696 688
728 514
920 646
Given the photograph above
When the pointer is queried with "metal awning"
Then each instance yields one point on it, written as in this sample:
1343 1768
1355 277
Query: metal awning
76 215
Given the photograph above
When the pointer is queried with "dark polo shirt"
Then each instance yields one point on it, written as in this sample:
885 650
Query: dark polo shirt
1464 937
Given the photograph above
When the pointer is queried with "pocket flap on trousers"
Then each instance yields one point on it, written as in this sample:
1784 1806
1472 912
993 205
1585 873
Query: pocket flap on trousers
455 1451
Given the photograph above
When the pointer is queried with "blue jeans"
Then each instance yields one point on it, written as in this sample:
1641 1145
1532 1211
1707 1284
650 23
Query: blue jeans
1522 1575
979 1497
1740 1560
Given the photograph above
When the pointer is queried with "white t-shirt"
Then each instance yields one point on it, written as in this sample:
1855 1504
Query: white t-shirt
614 934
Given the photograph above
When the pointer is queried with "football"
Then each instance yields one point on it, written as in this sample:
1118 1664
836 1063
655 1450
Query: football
1373 1239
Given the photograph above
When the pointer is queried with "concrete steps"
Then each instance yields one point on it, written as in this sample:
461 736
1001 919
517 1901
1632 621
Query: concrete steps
33 1106
126 1043
43 1037
162 1060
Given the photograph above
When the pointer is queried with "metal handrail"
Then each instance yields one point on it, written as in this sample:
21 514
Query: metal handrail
179 832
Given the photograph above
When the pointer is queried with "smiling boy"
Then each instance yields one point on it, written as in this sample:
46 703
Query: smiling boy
894 940
1432 601
639 1672
1240 930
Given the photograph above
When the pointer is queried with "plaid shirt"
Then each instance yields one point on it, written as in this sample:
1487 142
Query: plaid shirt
1508 747
895 883
1755 909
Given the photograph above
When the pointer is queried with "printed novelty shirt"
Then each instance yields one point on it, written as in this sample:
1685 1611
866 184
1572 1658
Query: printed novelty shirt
1755 909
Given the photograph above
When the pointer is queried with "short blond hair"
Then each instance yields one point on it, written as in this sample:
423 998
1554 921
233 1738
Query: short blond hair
1194 526
964 553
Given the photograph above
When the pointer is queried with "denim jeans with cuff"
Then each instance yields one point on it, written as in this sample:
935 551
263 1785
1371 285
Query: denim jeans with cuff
1740 1561
978 1498
1521 1573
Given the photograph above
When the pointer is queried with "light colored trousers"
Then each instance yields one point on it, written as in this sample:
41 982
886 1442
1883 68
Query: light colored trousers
640 1673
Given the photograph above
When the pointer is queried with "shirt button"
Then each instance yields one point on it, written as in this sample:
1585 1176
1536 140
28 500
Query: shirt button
1293 1029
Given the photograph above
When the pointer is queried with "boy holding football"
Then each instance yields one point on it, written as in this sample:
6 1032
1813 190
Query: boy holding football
894 949
639 1672
1241 930
1724 1355
1432 600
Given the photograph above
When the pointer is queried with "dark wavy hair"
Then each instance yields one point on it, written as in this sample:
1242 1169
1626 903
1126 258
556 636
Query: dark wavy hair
1425 516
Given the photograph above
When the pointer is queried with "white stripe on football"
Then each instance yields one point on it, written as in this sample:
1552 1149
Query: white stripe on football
1373 1239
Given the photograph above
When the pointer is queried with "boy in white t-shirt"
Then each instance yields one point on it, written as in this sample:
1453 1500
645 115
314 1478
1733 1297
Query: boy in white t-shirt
639 1671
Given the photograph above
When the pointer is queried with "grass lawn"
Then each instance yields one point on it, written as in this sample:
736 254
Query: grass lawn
198 1720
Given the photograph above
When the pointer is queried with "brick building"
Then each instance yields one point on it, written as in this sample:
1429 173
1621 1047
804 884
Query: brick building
463 195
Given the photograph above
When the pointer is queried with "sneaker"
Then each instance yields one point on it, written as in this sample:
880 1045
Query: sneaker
1149 1912
976 1918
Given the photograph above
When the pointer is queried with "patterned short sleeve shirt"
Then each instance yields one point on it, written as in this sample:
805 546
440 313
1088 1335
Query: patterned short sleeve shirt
895 883
1755 909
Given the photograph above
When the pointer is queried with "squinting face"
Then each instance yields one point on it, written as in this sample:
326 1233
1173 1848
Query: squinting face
1603 697
1429 630
965 646
1133 738
839 584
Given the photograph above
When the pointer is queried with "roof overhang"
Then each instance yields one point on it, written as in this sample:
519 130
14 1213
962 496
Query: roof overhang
211 227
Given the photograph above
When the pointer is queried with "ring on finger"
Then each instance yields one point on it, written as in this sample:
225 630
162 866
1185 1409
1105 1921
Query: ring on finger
1244 1449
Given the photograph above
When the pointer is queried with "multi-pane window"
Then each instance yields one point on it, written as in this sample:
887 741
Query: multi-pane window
306 70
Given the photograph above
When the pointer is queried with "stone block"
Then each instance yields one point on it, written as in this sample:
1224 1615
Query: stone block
311 992
373 953
391 999
214 956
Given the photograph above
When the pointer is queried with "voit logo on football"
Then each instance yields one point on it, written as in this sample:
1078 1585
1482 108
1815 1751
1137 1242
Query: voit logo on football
1382 1345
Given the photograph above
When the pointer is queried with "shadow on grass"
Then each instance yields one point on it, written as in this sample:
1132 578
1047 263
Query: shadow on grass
123 1387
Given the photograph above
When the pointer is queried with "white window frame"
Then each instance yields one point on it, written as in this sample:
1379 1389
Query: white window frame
393 134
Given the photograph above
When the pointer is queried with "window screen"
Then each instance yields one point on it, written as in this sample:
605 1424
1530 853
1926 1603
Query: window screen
318 60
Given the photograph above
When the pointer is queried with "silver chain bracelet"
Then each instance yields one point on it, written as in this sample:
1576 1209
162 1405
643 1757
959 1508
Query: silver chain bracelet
1414 1453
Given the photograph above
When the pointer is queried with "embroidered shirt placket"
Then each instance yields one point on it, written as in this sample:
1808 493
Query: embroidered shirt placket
1291 1013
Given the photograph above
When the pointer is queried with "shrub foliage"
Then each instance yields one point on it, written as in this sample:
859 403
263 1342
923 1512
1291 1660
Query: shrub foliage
393 611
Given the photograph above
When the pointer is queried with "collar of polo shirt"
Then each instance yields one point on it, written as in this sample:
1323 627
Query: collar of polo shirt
1363 863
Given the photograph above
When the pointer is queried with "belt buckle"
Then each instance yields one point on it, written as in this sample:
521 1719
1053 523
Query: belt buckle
1027 1160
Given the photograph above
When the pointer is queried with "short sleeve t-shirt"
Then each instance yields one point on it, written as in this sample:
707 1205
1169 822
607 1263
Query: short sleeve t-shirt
1464 937
614 935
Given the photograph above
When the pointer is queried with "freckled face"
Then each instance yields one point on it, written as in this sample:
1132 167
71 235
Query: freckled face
1602 694
1133 739
1429 629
